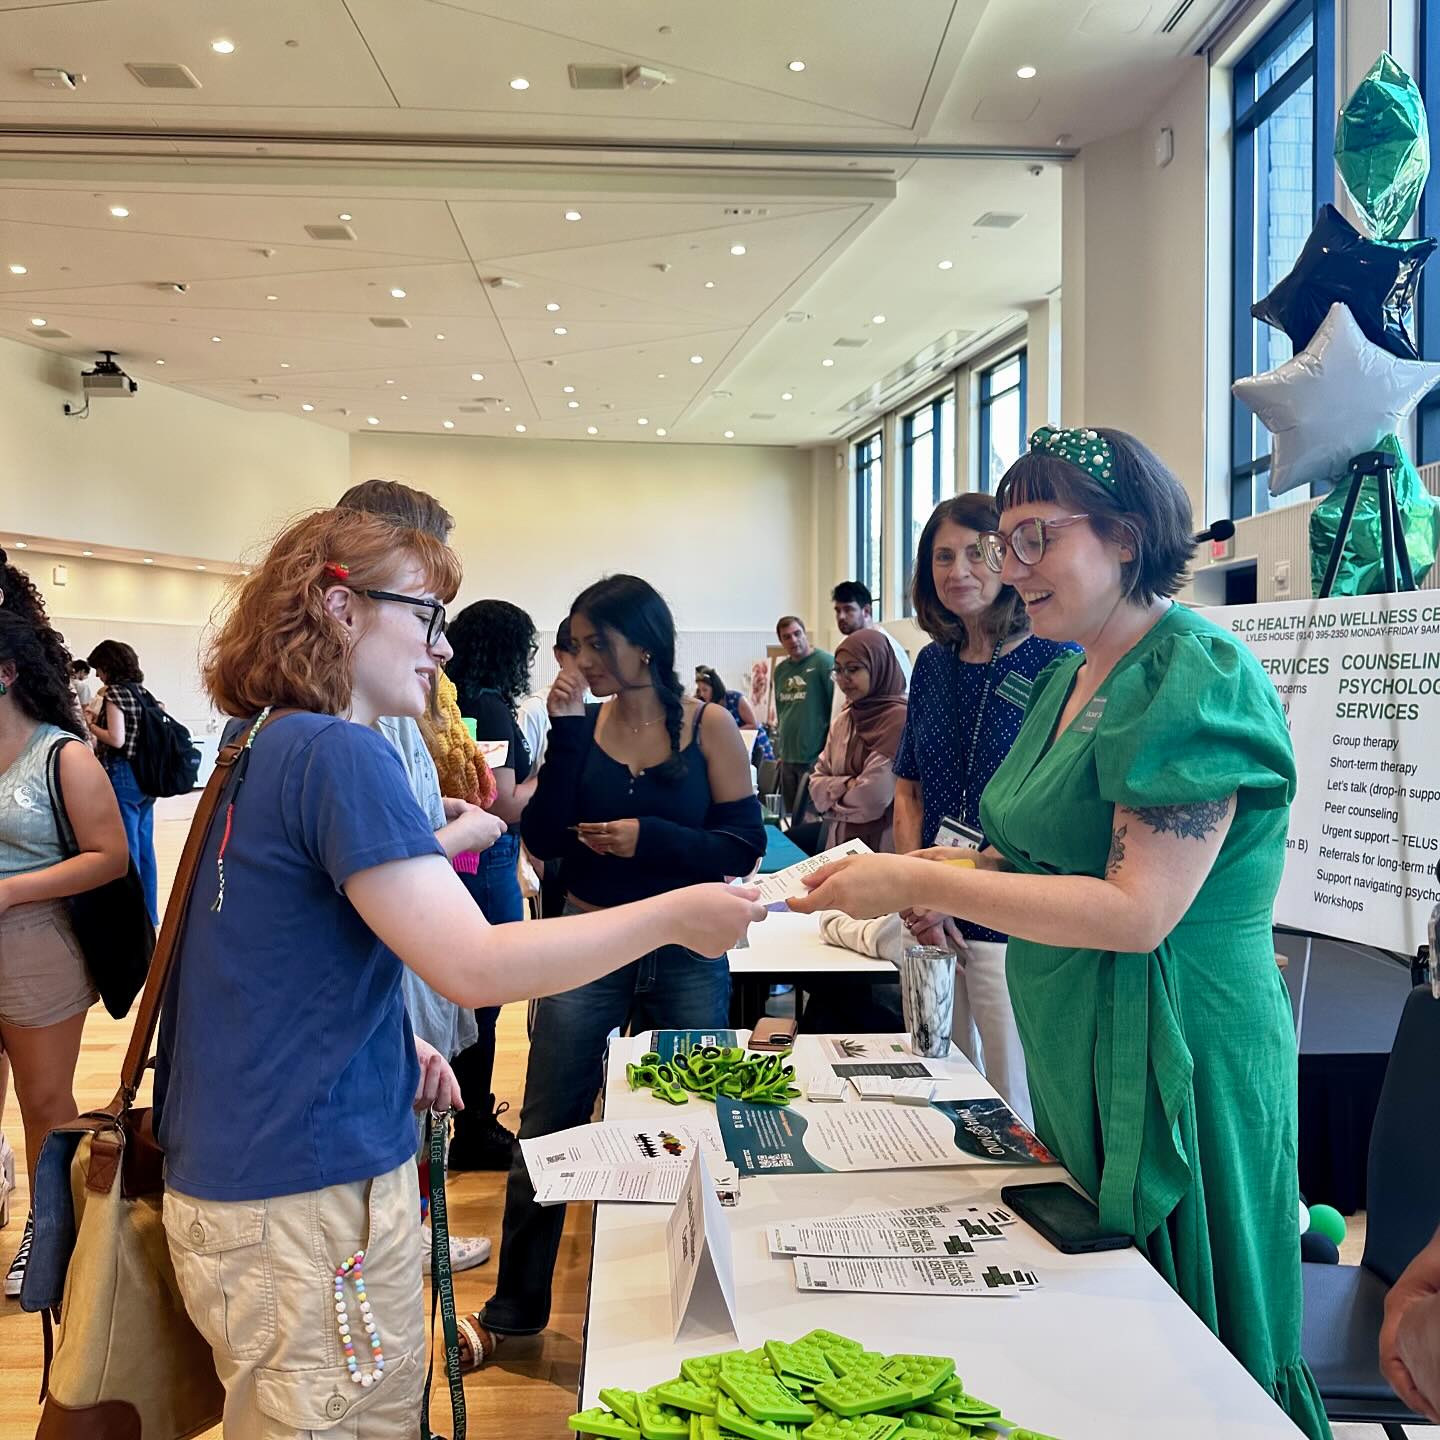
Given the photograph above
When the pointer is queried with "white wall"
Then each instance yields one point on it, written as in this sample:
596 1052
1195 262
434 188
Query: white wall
724 532
162 471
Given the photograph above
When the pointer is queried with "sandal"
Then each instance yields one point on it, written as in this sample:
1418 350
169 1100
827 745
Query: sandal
477 1344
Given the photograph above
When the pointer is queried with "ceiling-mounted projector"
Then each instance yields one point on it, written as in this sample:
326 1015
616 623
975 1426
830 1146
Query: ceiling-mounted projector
107 379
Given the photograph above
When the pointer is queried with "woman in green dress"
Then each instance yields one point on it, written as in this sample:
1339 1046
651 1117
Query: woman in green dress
1137 836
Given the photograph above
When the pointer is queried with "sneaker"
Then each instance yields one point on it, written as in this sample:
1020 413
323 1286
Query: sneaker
7 1180
466 1251
15 1276
482 1143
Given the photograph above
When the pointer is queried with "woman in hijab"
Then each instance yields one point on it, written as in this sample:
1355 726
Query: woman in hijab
853 783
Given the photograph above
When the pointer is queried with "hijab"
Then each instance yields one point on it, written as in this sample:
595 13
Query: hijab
878 718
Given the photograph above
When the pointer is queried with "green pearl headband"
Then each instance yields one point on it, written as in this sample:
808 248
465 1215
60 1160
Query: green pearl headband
1087 450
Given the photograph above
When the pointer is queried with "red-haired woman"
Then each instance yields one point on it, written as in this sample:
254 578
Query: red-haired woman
287 1069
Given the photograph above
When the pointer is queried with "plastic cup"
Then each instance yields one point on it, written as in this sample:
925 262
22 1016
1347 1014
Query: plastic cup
927 998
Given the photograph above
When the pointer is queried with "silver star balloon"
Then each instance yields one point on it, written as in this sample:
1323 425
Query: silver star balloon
1337 398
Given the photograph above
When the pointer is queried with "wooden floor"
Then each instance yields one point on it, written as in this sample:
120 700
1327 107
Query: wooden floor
529 1390
525 1394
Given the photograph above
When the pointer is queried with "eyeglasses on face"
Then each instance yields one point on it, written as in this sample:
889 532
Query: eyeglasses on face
849 671
1027 541
434 620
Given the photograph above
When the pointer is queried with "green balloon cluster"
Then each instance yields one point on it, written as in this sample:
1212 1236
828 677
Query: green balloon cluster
1382 148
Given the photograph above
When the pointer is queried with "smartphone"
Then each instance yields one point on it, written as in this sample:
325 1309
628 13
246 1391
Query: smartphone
774 1032
1065 1217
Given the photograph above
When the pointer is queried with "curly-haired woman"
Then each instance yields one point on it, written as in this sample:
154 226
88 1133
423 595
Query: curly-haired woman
287 1068
494 643
45 988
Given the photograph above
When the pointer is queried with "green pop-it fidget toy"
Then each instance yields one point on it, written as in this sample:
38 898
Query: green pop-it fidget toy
705 1369
596 1421
801 1360
921 1375
622 1402
862 1391
729 1416
829 1426
658 1421
762 1397
688 1395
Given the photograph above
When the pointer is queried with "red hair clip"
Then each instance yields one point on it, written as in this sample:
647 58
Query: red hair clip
337 572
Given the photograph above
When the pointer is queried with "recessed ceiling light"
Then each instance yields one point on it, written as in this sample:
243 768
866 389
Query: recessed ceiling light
389 382
119 211
1026 72
946 265
573 215
272 297
519 429
507 409
661 375
404 397
199 567
284 364
827 361
737 249
476 375
307 408
344 215
159 362
729 434
591 430
572 404
786 395
552 307
709 284
214 339
642 421
662 432
18 270
796 66
567 389
561 330
372 419
877 319
697 359
87 553
397 293
147 561
37 321
448 424
223 47
438 336
22 544
519 83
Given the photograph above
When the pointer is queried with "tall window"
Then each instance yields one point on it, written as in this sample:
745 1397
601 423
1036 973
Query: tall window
1284 170
869 514
1002 419
927 438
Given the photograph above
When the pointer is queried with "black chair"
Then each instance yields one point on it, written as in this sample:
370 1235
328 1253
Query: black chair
1345 1304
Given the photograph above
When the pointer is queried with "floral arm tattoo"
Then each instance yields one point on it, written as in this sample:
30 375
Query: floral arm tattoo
1117 852
1189 822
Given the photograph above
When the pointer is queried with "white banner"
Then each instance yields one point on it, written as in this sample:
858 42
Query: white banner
1360 683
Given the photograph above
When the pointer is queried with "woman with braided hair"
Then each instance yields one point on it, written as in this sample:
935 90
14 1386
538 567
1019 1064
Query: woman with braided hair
639 797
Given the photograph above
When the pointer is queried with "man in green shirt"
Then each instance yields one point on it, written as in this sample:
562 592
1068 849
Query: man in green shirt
804 690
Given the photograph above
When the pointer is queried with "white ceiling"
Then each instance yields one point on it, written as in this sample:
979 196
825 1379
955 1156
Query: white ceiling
373 108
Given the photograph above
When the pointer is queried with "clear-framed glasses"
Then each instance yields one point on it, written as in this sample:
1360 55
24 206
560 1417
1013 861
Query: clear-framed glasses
434 621
1027 540
848 671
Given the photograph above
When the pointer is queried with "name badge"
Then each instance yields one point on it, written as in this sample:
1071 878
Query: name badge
956 832
1015 688
1091 718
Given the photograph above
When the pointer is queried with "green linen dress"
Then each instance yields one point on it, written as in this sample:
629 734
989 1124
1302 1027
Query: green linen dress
1166 1082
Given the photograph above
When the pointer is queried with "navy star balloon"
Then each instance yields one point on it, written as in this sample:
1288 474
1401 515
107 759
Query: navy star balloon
1374 279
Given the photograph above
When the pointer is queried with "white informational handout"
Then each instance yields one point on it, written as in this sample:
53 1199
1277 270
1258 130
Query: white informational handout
696 1236
974 1222
788 884
642 1184
1359 680
877 1240
618 1143
958 1276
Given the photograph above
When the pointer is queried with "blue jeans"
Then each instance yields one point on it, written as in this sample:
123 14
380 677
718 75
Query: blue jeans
495 888
137 814
669 988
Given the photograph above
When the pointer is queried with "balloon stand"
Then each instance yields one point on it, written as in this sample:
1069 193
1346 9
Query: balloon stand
1394 554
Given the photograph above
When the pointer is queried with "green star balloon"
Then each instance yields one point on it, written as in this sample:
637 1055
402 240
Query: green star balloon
1382 148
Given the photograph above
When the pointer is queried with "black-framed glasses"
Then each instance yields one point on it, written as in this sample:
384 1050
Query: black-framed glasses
434 625
1027 540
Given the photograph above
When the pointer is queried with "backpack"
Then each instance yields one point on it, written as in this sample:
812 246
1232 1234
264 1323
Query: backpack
166 760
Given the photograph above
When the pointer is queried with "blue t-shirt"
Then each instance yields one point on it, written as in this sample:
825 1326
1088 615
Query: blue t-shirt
286 1061
941 726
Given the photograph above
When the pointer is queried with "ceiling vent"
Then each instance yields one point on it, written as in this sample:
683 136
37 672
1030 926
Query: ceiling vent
330 232
746 212
483 407
389 322
597 77
797 317
51 332
997 220
849 342
1176 16
503 282
164 77
761 415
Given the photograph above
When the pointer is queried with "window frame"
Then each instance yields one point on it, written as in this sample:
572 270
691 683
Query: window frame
986 400
1248 113
868 463
941 464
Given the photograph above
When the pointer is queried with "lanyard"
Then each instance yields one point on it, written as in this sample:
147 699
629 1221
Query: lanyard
975 731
